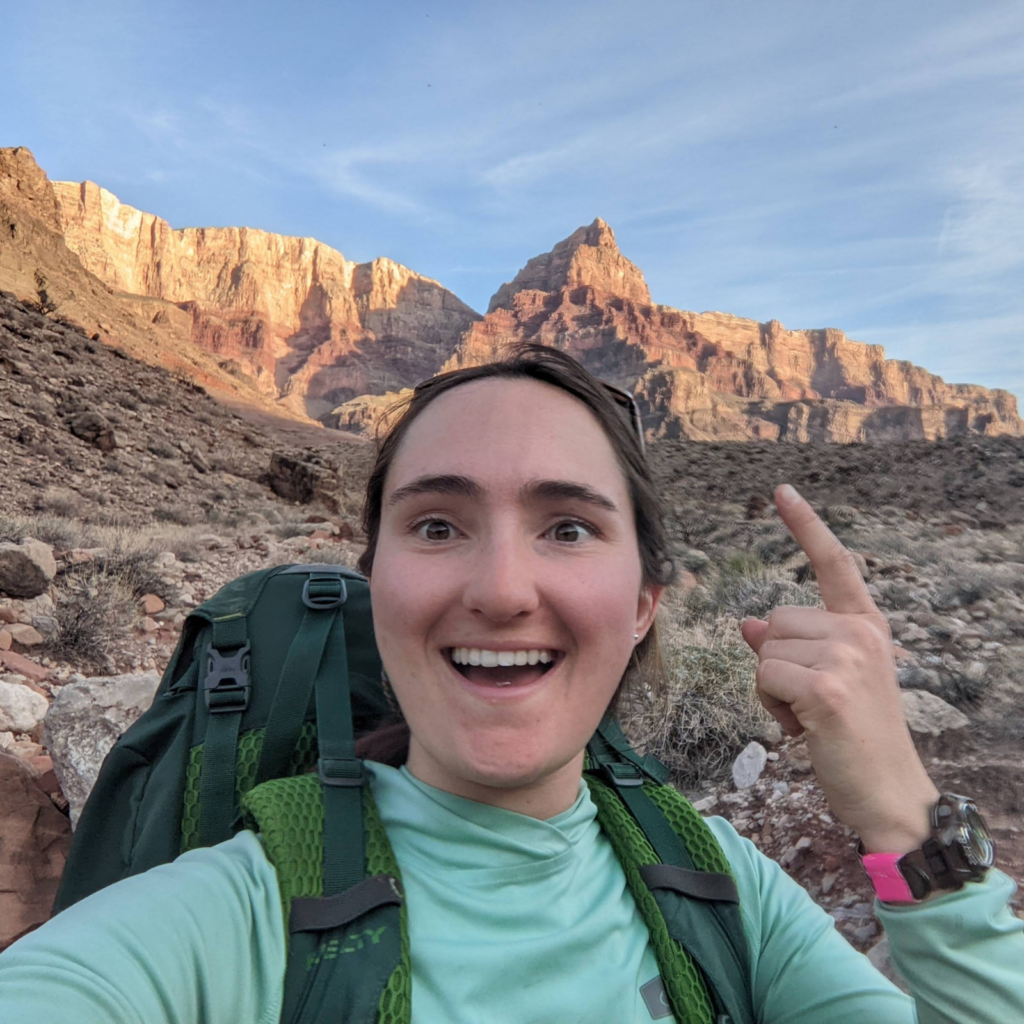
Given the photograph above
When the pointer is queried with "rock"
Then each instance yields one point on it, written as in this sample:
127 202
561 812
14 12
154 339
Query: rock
47 625
913 634
975 671
914 677
27 636
152 604
34 842
95 430
21 710
26 569
23 666
8 613
5 639
828 882
747 767
705 803
85 721
929 715
149 625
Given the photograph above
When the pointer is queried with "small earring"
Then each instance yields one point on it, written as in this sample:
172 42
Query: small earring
636 637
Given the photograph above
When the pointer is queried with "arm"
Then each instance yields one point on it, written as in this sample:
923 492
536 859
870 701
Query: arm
169 946
961 952
803 970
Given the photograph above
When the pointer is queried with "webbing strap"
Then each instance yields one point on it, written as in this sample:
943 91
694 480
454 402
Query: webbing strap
627 780
226 694
302 665
701 885
318 913
341 772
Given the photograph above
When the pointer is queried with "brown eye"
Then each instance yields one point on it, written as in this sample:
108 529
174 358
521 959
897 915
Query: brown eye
571 525
432 525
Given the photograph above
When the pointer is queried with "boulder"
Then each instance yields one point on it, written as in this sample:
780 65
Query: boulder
34 842
21 710
85 721
26 569
24 634
928 715
94 429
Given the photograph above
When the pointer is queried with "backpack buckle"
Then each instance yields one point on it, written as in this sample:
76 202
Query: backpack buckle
623 774
227 680
340 771
323 591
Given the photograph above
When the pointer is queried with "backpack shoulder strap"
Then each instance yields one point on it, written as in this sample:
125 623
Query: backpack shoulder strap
687 896
348 950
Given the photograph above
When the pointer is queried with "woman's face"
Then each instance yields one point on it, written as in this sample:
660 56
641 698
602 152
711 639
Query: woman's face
527 542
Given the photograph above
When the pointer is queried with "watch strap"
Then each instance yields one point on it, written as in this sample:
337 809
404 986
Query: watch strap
883 869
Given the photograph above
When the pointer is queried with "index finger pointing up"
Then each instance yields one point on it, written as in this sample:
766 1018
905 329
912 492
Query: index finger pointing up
839 579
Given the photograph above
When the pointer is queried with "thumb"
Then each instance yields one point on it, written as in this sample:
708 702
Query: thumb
754 632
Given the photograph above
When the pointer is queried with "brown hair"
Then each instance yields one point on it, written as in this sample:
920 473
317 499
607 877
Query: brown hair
532 361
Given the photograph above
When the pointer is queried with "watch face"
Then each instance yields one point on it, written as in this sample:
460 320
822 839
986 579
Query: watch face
974 838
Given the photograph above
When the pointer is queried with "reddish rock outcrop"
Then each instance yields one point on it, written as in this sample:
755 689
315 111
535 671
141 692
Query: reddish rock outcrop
712 375
34 842
311 327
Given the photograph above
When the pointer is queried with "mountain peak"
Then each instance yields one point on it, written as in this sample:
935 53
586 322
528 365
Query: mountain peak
588 258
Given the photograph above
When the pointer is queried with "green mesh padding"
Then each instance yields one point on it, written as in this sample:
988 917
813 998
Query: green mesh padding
687 823
289 815
684 983
249 746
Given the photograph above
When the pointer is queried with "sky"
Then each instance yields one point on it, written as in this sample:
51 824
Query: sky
826 164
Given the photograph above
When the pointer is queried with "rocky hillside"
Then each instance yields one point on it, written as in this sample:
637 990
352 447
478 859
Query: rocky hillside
712 376
309 326
289 325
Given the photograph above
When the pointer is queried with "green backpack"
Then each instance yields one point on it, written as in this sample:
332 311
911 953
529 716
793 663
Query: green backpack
254 725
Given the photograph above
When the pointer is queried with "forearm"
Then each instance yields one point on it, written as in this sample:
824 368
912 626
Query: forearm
962 953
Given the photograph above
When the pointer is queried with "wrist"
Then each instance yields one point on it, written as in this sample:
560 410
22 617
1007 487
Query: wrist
904 832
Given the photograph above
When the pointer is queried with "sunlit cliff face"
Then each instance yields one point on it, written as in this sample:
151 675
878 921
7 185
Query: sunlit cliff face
493 559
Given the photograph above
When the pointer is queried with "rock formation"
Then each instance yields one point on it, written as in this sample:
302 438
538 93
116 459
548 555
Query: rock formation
715 376
289 325
308 325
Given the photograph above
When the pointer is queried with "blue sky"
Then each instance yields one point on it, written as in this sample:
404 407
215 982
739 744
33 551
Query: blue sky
858 166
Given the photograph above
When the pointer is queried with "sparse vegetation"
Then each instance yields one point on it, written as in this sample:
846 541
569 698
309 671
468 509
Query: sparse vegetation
709 710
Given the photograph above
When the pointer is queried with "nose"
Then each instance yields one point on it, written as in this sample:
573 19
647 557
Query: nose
502 583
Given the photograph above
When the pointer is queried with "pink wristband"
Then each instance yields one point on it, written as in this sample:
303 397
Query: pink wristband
890 885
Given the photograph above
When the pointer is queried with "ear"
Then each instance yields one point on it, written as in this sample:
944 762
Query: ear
650 598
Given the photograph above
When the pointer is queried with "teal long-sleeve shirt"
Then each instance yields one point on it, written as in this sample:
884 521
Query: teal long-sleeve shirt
511 919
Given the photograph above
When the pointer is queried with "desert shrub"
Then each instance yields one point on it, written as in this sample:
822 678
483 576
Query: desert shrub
747 586
59 501
90 621
63 534
694 524
709 710
961 692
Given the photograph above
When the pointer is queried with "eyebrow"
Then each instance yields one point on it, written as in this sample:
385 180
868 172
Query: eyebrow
533 492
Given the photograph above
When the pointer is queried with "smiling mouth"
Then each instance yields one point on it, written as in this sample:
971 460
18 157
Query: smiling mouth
502 676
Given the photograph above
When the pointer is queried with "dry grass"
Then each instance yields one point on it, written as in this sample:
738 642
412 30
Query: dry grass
709 711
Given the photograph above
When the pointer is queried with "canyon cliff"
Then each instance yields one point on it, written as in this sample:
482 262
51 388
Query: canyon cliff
310 327
716 376
288 325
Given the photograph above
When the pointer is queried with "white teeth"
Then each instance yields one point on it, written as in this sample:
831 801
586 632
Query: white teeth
492 659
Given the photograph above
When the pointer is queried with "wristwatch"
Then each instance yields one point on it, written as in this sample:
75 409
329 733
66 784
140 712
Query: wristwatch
960 850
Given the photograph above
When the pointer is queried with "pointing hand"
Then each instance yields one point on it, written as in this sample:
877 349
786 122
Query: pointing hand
830 675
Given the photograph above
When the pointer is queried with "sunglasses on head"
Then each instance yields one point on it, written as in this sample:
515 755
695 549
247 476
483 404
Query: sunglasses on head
620 396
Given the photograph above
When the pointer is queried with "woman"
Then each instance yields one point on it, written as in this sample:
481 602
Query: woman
511 512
